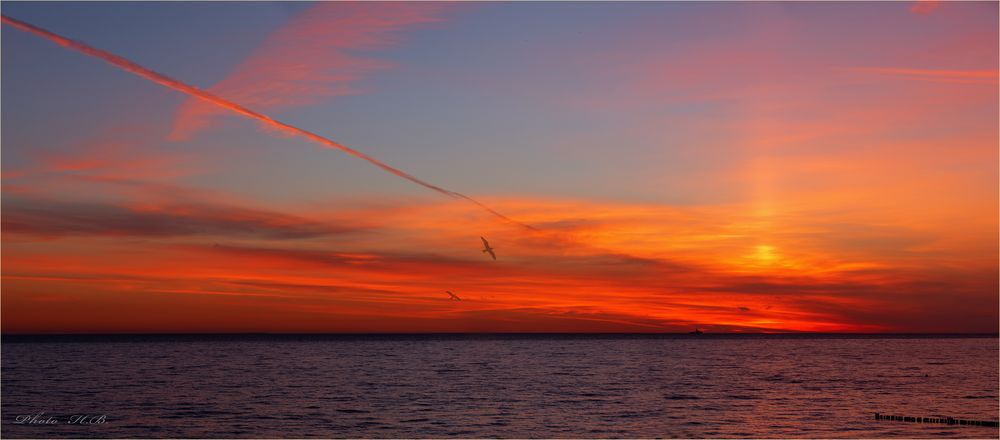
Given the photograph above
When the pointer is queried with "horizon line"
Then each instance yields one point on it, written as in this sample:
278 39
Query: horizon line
446 333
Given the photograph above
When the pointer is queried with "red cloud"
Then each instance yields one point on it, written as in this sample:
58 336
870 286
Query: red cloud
676 268
938 75
924 7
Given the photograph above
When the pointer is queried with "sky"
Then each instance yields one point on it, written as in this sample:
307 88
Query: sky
656 167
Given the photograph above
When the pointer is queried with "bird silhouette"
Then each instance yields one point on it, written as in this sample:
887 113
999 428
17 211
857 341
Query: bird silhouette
487 248
453 296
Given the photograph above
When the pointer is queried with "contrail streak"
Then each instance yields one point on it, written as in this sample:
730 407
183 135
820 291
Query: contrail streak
182 87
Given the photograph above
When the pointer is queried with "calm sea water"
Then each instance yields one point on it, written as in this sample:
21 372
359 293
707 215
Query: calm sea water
497 386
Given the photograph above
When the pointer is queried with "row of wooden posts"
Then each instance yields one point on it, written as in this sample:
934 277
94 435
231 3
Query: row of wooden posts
947 420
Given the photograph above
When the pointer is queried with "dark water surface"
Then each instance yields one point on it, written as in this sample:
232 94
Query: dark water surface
498 386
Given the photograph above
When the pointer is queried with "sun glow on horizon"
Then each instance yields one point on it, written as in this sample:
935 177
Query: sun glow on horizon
760 172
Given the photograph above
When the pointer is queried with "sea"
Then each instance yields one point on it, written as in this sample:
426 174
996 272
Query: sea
496 386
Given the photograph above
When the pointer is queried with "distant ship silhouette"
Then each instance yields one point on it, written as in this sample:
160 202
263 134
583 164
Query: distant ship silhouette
696 332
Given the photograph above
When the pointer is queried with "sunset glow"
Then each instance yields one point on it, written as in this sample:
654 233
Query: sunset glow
777 167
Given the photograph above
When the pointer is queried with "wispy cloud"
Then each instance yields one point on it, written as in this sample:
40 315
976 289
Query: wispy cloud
632 266
315 56
953 76
119 152
832 207
924 7
54 218
195 92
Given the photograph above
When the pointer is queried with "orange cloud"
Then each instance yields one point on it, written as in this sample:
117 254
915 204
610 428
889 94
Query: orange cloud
924 7
954 76
594 267
119 153
843 218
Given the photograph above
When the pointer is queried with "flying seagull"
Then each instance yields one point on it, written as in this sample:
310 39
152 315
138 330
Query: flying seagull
487 248
453 296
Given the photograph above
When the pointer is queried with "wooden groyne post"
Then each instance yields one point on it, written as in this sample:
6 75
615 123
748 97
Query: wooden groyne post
946 420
